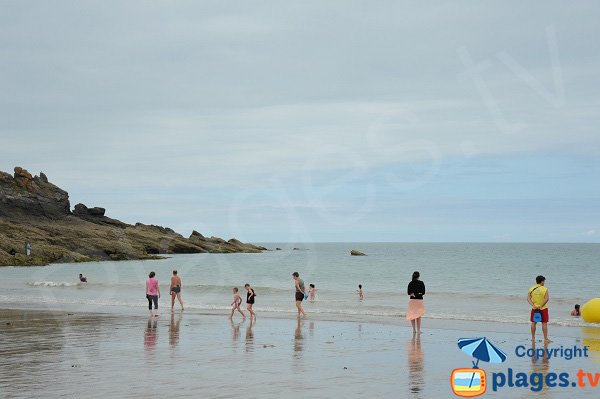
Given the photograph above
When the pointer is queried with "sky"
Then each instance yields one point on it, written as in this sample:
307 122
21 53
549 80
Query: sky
312 121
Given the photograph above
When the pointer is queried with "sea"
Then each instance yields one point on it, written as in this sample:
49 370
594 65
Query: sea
485 282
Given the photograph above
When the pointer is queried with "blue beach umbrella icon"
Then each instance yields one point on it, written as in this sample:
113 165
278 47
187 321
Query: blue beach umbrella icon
481 349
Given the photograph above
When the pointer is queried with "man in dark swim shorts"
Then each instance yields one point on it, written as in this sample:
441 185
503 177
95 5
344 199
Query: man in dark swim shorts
175 290
299 284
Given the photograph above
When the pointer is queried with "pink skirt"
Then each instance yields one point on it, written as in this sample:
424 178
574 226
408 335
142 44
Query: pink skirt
416 309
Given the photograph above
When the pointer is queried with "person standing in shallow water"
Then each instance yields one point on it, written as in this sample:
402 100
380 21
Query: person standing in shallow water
175 290
300 293
538 298
152 293
250 297
416 307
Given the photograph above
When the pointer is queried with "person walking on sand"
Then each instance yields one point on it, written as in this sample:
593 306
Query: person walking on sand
416 307
235 305
175 290
300 293
152 293
250 295
360 292
538 298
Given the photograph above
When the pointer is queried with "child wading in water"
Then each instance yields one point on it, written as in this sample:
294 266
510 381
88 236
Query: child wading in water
311 292
237 301
360 292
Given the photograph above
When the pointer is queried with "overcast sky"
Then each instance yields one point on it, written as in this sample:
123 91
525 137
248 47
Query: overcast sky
309 121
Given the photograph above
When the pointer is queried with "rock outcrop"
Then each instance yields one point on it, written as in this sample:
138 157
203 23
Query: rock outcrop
355 252
27 196
35 211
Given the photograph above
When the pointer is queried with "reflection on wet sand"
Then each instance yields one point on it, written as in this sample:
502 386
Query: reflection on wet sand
592 341
150 334
174 330
250 336
298 339
416 360
540 366
235 331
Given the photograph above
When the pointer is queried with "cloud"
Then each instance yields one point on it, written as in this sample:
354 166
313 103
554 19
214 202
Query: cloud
591 232
121 99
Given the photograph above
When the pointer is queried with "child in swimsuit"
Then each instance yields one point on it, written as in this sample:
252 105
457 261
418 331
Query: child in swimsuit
250 297
235 305
360 292
311 292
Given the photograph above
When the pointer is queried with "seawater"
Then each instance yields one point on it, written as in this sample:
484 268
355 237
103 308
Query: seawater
465 281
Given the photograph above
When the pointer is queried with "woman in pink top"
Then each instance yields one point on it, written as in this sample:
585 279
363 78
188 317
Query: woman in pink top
152 293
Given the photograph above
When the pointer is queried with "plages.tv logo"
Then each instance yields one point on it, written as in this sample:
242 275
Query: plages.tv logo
470 382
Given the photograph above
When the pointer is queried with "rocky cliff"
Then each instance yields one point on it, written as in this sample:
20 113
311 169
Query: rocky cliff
36 211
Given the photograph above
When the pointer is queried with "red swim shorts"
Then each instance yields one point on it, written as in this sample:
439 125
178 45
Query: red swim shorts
544 313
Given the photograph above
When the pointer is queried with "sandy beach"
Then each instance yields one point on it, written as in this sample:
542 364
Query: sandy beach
55 354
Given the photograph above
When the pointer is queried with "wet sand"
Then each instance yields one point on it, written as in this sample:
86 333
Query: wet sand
54 354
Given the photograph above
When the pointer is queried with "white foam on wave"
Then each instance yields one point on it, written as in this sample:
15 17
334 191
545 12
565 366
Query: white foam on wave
52 284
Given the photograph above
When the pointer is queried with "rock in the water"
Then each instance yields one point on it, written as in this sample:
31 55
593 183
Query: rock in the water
354 252
277 249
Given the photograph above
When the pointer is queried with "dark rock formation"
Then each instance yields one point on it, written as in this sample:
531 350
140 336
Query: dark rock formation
83 211
96 215
354 252
34 210
27 196
197 235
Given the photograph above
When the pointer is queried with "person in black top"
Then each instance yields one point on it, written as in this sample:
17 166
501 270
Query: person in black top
416 307
250 300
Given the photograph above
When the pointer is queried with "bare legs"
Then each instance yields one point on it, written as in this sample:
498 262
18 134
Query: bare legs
300 310
252 312
239 310
178 295
416 325
544 330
